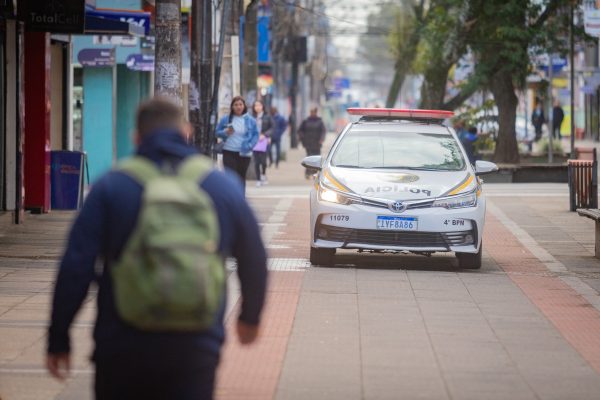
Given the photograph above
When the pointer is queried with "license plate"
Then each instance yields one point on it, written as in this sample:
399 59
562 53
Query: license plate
397 223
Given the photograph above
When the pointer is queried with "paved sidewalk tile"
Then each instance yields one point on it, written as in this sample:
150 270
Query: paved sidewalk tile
252 372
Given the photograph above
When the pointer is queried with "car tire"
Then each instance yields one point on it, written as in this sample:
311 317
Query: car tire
322 257
470 260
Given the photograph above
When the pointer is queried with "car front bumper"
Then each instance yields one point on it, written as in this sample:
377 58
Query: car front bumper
437 229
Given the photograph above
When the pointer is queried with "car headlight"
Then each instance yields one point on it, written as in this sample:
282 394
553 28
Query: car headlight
459 201
333 196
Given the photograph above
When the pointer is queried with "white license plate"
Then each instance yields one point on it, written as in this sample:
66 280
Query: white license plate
397 223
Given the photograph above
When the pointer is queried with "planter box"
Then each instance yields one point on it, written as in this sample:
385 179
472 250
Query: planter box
529 172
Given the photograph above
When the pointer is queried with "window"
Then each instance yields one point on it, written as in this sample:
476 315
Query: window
398 150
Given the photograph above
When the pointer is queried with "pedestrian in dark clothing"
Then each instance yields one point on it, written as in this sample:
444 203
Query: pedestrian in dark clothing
239 131
538 120
264 124
312 134
138 364
467 140
279 126
557 119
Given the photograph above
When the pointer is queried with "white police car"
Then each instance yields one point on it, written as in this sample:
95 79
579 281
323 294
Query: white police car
397 180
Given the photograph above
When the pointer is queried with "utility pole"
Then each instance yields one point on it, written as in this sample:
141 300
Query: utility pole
250 52
215 94
572 78
201 74
167 78
292 56
550 114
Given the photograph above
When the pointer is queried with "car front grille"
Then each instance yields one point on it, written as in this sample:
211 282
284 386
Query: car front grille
409 205
394 238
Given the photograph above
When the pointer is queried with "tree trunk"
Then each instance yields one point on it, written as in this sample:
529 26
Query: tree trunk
433 89
503 90
399 76
167 78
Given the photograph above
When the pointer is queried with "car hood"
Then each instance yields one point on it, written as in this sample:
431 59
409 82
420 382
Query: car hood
400 184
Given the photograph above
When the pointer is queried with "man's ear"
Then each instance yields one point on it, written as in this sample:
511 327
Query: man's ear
137 139
187 130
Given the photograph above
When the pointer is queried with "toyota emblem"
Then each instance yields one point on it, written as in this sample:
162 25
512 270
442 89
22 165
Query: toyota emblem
398 206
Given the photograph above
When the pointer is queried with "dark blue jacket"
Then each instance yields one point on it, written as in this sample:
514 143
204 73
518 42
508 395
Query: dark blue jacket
280 125
100 231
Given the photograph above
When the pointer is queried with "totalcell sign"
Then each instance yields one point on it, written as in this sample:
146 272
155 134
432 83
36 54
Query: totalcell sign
56 16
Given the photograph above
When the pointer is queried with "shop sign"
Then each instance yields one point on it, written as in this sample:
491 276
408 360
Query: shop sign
96 57
591 22
140 18
140 62
55 16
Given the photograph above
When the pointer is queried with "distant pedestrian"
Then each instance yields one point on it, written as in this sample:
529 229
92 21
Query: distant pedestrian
468 140
240 133
312 135
538 120
187 217
558 116
264 124
279 126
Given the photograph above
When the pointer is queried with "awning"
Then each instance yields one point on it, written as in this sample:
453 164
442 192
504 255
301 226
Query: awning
116 22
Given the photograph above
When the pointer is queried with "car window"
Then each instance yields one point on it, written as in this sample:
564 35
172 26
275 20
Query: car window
371 149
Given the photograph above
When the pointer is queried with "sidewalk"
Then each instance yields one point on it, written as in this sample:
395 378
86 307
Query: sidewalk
380 327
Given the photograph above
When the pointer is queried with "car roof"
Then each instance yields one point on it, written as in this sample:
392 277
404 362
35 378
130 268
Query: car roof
400 126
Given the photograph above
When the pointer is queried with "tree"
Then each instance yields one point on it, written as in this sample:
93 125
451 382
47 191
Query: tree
441 46
405 40
506 34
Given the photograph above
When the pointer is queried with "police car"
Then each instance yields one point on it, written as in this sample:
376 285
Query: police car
397 180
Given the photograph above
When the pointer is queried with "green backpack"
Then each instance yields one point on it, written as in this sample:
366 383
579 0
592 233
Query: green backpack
170 276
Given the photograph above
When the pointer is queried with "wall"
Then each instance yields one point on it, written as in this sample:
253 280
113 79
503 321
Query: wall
56 97
98 119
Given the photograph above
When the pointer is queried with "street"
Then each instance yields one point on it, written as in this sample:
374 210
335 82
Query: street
388 326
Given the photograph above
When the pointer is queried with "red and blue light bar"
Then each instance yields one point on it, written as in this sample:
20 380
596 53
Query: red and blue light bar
401 113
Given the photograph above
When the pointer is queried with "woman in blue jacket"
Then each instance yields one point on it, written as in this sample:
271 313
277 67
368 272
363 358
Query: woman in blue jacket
238 130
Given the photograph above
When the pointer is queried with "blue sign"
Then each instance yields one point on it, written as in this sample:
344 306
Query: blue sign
140 18
96 57
264 40
333 94
140 62
558 63
341 83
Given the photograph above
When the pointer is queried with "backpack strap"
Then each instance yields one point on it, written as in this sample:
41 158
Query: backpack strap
195 168
139 168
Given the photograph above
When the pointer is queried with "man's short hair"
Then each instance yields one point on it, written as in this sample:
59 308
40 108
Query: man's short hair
158 114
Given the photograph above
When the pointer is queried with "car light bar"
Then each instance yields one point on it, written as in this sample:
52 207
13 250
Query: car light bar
400 113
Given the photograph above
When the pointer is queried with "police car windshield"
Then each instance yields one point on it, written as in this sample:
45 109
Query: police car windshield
398 150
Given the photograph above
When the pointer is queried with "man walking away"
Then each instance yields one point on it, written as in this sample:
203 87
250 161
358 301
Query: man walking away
158 354
279 126
538 120
312 135
557 119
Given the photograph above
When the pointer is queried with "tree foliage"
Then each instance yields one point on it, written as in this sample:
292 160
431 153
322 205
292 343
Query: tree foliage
504 37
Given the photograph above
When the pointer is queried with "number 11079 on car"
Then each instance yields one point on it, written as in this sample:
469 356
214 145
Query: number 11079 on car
397 223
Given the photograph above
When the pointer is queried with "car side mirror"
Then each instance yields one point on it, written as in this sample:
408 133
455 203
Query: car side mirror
312 162
484 167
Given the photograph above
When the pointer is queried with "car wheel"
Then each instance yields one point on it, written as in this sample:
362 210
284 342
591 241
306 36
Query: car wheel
470 260
321 256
